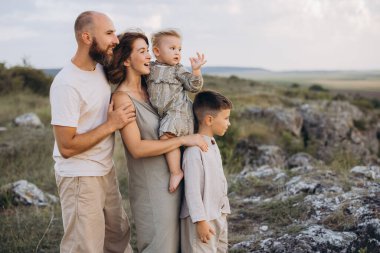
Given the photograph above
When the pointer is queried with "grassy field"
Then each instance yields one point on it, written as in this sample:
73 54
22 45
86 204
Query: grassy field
26 153
364 82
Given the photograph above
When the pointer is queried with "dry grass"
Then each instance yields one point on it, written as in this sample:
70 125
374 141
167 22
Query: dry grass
340 220
247 218
14 104
26 154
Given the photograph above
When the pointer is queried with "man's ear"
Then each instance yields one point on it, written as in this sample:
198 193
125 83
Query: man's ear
86 38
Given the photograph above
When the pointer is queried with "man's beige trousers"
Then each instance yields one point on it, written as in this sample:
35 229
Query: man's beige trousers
94 219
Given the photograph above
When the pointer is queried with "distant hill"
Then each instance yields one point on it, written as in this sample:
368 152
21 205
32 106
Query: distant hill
223 70
364 80
205 70
51 72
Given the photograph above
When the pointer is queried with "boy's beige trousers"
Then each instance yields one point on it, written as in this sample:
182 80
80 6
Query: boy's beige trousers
190 243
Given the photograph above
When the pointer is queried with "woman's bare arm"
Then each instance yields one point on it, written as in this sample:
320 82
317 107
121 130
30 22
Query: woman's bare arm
145 148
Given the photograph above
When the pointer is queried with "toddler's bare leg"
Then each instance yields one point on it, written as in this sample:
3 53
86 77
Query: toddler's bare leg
173 159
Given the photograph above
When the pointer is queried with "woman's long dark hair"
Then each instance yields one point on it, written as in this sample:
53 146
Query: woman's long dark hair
116 72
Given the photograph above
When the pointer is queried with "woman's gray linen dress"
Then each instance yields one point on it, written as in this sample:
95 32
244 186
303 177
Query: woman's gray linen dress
154 209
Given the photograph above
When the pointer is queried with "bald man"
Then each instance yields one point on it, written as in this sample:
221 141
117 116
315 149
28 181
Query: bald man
84 122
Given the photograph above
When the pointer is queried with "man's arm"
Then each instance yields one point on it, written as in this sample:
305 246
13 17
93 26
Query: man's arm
70 143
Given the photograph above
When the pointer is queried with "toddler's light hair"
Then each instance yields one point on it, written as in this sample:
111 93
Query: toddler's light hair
166 32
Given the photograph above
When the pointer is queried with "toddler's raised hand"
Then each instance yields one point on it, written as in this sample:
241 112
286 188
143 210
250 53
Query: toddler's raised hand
197 62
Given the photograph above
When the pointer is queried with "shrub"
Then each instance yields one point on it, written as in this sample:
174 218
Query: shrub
376 102
290 143
360 124
317 87
7 82
33 79
363 103
233 78
23 78
295 85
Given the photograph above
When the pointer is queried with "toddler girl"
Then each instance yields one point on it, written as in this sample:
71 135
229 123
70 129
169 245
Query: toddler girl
167 83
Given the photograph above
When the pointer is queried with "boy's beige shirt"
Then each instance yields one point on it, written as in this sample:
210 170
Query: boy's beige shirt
205 184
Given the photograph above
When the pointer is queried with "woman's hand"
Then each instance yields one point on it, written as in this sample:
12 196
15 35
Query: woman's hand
204 230
195 140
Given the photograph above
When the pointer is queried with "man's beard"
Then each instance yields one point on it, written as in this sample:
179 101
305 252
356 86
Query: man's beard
99 55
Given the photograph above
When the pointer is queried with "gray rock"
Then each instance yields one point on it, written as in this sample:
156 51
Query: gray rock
3 129
288 119
245 245
258 156
296 186
262 172
26 193
28 120
313 239
300 160
280 178
330 128
368 236
372 172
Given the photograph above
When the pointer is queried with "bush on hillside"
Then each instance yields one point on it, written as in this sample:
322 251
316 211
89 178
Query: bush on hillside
317 87
23 78
32 79
7 82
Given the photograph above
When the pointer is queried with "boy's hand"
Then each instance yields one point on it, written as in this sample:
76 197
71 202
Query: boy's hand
195 140
197 62
204 230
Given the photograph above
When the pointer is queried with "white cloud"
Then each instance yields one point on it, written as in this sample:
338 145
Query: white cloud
16 33
154 22
276 34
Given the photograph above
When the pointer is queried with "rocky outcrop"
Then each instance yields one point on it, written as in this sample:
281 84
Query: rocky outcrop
25 193
329 126
310 209
279 118
28 120
255 156
371 172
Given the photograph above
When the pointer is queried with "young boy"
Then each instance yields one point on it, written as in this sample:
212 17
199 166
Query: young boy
205 206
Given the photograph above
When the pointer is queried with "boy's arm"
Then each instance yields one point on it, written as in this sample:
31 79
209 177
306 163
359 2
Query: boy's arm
194 187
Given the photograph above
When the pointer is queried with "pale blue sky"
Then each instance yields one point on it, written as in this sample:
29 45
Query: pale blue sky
272 34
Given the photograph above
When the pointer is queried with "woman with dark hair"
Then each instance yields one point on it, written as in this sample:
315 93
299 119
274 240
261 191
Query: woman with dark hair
154 209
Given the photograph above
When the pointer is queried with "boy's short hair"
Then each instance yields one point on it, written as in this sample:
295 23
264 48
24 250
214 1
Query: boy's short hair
167 32
209 103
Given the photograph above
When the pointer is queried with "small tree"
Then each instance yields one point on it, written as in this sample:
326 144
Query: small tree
34 79
7 82
317 87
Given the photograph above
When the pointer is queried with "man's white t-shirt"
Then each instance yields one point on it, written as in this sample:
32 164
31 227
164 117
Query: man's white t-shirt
80 99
